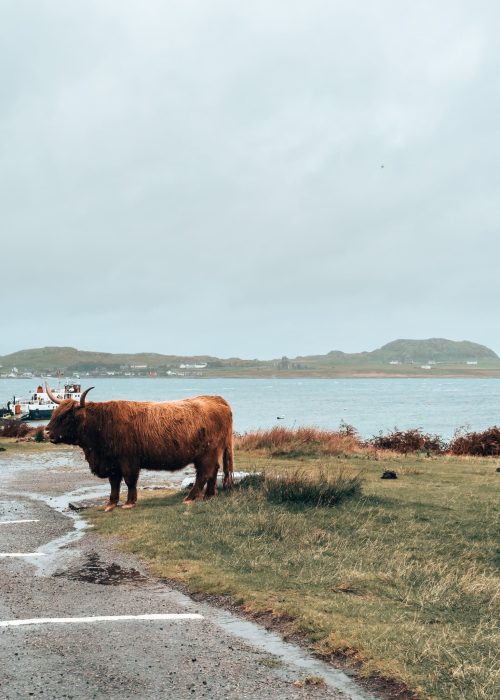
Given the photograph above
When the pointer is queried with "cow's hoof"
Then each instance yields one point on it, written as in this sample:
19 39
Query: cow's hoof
127 506
188 501
109 507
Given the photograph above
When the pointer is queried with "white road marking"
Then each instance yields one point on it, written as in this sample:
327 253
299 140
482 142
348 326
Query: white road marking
22 554
100 618
14 522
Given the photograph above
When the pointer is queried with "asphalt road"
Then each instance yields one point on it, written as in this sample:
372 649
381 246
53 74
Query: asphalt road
70 573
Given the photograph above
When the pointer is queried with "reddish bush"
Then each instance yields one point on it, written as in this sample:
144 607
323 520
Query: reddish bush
480 444
13 428
405 441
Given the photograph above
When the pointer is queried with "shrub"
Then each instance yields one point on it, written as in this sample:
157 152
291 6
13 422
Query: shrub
13 428
479 444
318 489
412 440
301 442
39 435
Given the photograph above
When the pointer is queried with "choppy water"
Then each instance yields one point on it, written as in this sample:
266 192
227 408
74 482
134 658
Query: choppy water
436 405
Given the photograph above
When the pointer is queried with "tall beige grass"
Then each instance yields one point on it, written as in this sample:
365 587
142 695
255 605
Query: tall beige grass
307 442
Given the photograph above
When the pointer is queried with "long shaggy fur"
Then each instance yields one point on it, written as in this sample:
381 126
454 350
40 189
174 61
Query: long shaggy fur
121 437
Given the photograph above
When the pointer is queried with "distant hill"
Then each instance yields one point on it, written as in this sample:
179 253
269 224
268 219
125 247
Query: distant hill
435 349
72 358
79 360
388 359
410 351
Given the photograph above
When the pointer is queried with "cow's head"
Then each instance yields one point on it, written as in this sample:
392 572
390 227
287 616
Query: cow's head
67 419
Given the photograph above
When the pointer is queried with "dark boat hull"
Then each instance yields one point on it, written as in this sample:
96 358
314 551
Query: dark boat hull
39 414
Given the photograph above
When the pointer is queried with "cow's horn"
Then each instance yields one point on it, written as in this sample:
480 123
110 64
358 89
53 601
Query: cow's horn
82 397
51 395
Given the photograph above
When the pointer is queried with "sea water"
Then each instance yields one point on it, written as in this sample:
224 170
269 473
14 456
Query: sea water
371 405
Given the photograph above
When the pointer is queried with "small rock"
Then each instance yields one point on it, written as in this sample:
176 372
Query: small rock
75 506
389 474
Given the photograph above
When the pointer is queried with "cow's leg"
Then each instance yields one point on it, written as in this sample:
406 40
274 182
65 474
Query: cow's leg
228 461
114 496
131 481
211 489
207 467
201 479
213 465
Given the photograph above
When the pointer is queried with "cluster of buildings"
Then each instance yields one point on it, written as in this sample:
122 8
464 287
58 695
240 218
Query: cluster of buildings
431 363
13 373
135 370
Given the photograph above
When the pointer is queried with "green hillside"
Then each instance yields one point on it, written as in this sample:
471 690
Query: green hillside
435 349
438 350
67 357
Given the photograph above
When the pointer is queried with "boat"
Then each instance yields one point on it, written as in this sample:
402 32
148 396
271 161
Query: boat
39 406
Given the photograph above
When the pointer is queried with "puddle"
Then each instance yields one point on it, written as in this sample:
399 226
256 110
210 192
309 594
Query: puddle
290 654
94 570
56 551
271 643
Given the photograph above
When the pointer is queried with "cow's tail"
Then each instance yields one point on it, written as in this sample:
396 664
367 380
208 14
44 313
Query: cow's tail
228 461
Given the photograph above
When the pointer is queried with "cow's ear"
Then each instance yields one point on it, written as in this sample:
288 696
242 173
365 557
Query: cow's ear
79 411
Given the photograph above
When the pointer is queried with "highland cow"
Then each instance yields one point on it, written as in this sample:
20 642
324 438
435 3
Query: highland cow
119 438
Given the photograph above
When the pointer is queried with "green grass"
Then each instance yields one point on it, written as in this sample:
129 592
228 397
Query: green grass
303 488
401 579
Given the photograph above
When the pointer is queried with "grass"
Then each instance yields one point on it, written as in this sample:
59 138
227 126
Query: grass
12 445
317 488
400 581
301 442
310 680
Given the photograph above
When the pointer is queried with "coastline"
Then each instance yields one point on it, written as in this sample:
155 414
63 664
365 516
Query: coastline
272 373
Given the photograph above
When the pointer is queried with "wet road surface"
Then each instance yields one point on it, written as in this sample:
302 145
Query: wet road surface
67 572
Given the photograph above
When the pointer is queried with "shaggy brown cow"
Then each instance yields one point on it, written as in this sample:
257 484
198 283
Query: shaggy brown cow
119 438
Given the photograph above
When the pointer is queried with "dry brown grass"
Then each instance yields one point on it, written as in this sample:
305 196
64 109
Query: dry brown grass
301 442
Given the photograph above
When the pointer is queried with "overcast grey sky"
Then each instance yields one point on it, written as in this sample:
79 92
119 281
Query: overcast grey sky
205 176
